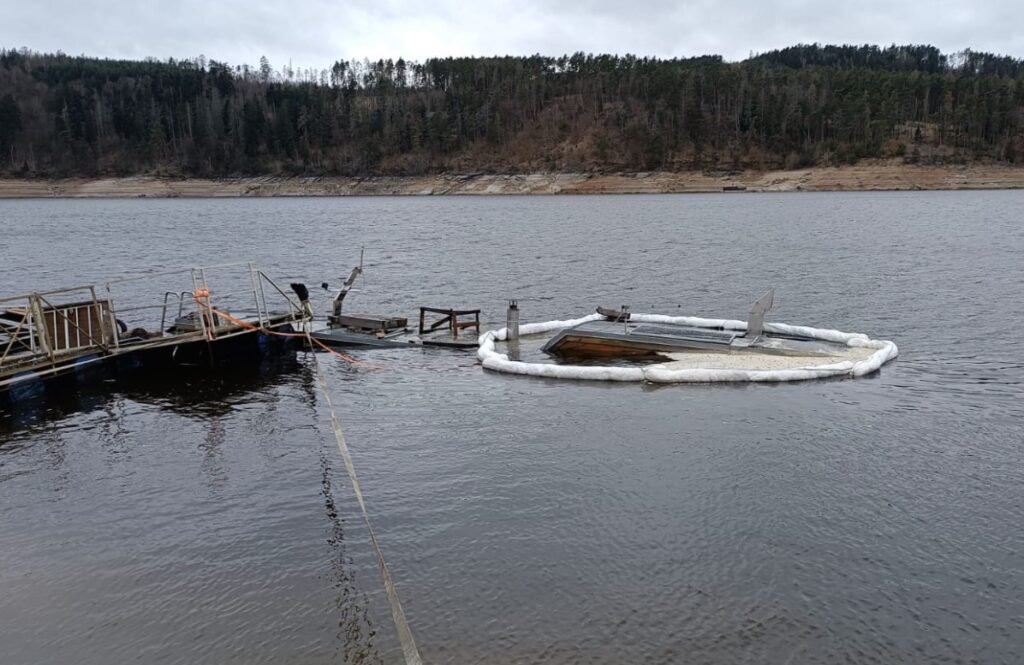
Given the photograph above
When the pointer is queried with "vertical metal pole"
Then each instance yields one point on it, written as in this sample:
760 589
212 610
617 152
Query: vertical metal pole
113 322
99 318
625 318
255 295
208 331
200 314
33 339
40 321
163 315
209 303
113 318
263 294
512 330
512 320
114 332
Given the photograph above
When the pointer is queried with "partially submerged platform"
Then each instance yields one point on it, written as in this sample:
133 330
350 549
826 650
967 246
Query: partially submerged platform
438 327
74 334
665 349
622 339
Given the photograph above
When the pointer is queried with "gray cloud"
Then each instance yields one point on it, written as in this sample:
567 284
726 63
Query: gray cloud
314 33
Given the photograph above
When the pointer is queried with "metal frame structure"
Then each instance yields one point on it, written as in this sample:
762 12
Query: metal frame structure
43 333
44 330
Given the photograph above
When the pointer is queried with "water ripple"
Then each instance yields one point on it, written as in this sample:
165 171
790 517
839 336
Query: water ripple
209 520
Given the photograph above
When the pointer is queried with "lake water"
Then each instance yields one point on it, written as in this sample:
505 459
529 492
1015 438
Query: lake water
210 520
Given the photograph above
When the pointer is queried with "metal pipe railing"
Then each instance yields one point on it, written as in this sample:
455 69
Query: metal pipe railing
15 337
89 322
177 271
296 309
27 296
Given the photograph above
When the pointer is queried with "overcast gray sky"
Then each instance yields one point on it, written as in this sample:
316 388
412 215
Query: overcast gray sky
315 33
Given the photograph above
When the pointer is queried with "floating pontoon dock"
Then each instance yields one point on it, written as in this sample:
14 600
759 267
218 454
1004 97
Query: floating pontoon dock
76 334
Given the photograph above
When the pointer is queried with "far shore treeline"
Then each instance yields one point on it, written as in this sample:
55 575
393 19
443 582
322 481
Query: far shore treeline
803 106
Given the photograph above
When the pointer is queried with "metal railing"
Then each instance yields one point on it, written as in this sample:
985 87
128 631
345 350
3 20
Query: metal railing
202 303
42 328
33 328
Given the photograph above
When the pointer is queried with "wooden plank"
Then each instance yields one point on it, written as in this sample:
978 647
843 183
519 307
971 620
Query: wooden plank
75 326
445 322
589 347
371 321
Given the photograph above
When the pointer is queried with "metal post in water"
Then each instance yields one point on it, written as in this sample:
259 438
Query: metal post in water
255 295
512 320
512 330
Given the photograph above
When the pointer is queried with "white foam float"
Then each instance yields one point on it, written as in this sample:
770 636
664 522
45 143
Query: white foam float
879 353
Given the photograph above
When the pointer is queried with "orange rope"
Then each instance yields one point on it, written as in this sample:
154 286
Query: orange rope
346 358
245 324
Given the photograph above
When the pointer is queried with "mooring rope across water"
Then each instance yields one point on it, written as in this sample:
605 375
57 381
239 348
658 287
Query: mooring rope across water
412 655
405 638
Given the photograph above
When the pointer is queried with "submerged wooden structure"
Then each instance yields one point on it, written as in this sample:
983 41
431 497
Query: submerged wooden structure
625 339
618 336
53 338
684 349
438 327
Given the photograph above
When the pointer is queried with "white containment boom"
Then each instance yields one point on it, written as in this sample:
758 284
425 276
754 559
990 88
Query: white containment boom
856 354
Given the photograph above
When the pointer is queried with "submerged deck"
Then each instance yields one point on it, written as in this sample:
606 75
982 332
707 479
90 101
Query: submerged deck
394 340
437 328
618 339
72 332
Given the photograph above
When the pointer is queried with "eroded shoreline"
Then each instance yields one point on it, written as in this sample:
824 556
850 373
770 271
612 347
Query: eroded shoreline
860 177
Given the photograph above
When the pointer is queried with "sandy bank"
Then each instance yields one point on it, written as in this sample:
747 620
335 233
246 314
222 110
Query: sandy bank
882 176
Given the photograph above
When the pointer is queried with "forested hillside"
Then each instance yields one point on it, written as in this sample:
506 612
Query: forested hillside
800 106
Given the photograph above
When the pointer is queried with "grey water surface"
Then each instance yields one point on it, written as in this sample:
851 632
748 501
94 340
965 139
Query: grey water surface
209 519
